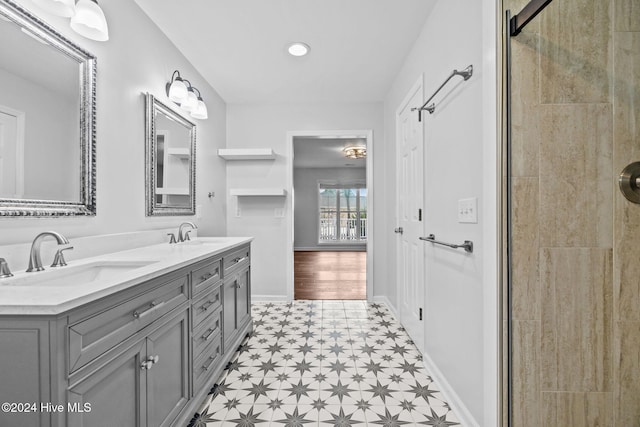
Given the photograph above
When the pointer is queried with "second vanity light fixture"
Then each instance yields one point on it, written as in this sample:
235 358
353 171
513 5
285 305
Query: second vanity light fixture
87 18
181 92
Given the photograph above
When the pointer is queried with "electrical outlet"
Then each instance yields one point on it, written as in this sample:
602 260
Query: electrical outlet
468 210
278 213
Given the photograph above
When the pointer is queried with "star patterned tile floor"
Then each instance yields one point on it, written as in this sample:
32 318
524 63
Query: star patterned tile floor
325 363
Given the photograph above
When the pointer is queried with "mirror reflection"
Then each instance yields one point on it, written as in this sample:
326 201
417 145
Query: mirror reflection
170 161
46 120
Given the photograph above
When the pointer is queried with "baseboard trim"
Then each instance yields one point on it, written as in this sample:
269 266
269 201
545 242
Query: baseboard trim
449 394
269 298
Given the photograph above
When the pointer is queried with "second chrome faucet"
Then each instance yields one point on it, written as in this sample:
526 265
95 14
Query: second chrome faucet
35 259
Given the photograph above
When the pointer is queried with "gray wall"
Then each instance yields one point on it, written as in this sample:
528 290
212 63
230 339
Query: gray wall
305 185
138 58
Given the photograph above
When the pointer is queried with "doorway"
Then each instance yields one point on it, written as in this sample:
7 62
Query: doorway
330 180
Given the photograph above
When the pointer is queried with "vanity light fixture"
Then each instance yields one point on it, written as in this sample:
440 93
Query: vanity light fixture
355 152
89 21
181 92
87 18
298 49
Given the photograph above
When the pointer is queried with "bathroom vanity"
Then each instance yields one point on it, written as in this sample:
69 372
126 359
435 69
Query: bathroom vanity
134 338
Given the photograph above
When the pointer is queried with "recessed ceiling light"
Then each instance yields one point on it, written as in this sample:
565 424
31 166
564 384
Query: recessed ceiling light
298 49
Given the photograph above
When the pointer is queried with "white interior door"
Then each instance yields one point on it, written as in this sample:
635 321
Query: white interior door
11 148
410 262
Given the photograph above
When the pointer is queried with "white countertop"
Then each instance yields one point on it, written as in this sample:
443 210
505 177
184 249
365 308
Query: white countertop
20 296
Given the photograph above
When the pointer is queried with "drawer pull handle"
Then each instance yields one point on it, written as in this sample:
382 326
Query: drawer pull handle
239 259
152 307
211 358
208 276
206 306
208 335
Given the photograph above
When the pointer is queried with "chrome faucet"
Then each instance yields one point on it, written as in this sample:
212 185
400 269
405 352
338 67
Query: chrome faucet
35 261
184 237
4 269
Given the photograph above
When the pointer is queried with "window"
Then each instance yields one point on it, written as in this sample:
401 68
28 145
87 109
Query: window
342 213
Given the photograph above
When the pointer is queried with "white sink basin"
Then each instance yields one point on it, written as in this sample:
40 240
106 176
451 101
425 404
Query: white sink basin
206 241
75 275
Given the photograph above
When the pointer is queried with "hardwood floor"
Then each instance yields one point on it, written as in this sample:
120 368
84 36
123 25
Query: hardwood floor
330 275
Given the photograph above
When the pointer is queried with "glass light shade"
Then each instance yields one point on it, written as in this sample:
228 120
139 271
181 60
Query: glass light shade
89 21
178 91
191 103
64 8
201 111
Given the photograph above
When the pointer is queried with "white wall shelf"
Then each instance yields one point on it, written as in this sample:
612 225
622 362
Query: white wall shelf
246 153
183 153
173 191
247 192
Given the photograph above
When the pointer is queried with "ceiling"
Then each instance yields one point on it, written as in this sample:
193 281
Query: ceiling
239 46
325 153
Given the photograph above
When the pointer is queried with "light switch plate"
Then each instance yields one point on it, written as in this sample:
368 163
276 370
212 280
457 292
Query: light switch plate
468 210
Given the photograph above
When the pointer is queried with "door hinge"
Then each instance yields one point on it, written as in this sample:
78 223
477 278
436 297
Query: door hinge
420 310
419 214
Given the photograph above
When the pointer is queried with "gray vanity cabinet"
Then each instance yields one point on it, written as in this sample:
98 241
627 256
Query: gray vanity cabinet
143 357
145 382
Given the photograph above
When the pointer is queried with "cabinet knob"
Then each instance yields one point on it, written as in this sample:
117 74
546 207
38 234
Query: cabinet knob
149 362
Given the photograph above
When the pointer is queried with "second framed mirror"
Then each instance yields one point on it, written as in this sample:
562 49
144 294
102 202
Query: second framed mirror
170 161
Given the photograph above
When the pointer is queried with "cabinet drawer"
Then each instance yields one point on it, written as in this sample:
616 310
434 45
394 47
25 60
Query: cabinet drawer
236 260
206 332
205 365
205 275
93 336
206 305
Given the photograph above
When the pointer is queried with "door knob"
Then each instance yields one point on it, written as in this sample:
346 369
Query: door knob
398 230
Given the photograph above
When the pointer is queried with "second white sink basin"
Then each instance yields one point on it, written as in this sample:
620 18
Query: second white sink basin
206 241
78 275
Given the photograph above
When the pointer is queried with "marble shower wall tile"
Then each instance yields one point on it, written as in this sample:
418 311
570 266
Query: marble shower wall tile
526 374
576 319
577 409
576 192
575 61
626 98
627 15
525 250
627 373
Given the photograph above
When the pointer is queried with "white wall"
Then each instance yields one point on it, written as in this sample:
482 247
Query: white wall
266 126
305 184
460 162
138 58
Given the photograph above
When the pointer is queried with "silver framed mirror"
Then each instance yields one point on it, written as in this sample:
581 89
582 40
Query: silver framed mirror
47 120
170 161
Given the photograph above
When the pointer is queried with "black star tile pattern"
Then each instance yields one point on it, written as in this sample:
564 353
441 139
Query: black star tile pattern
317 363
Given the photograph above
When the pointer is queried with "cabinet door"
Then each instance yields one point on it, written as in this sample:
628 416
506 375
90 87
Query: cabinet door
243 298
168 376
115 392
24 377
229 325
